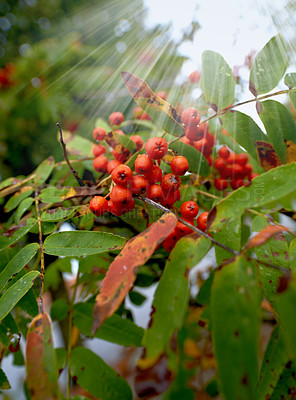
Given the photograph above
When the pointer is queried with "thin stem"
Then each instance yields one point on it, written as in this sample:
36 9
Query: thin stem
70 326
13 188
271 220
74 173
212 196
42 265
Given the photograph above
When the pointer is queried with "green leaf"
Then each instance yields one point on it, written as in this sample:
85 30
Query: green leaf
115 329
101 123
292 96
58 214
6 241
96 377
4 384
285 388
61 357
22 208
204 295
290 80
279 125
125 142
217 83
77 145
11 297
235 327
44 170
275 251
81 243
244 131
9 182
270 186
16 199
269 66
53 195
197 162
275 358
285 301
230 236
137 298
28 302
59 310
171 297
17 263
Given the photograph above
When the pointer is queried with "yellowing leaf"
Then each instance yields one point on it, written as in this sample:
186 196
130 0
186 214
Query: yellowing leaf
265 234
122 271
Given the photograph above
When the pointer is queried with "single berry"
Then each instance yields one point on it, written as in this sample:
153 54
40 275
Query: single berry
190 117
143 164
189 209
98 205
237 171
156 147
202 221
138 141
192 133
120 195
169 198
139 185
115 209
170 242
248 169
194 77
185 140
242 158
203 147
129 206
99 134
179 165
112 165
224 152
184 230
98 150
236 183
221 184
100 164
116 118
140 114
122 175
154 175
231 159
162 94
170 182
252 176
155 192
210 138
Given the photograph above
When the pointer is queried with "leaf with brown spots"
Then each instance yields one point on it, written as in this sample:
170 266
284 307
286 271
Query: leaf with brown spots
267 155
162 113
265 234
42 373
120 143
123 270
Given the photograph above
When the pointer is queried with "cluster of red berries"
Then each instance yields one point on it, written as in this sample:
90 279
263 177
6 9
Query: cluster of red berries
233 169
196 134
189 211
101 163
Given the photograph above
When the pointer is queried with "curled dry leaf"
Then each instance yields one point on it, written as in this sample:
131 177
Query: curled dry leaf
265 234
123 270
41 367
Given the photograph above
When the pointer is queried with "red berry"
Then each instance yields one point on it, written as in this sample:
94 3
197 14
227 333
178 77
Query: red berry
143 164
120 195
138 141
170 242
248 169
189 209
242 158
140 114
190 117
209 160
98 150
203 147
162 94
98 205
202 221
169 198
139 185
121 157
100 164
155 192
156 147
237 171
219 163
115 209
111 165
122 175
154 175
252 176
170 182
116 118
179 165
192 133
129 206
194 77
99 133
210 138
221 184
182 229
185 140
236 183
119 132
231 159
224 152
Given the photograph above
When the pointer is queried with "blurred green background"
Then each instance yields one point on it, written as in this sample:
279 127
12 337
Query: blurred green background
61 60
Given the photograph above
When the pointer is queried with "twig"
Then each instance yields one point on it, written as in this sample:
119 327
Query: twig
10 189
42 265
74 173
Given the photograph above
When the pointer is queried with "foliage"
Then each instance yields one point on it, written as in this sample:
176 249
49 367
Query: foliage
209 345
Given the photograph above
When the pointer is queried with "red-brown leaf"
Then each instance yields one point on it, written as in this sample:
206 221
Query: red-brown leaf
264 235
267 155
41 372
123 270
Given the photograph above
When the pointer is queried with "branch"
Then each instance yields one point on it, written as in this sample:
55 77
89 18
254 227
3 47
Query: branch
42 265
193 228
74 173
